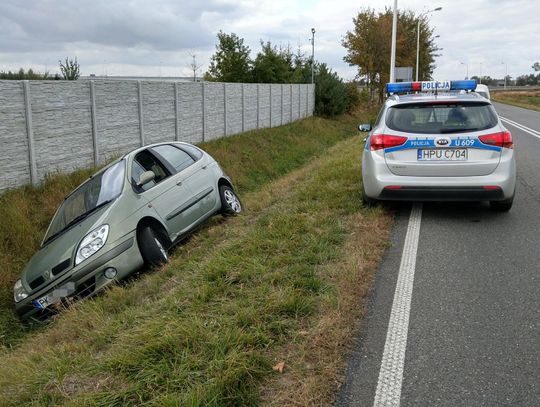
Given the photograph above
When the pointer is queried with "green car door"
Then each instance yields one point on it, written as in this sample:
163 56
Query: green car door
194 172
167 194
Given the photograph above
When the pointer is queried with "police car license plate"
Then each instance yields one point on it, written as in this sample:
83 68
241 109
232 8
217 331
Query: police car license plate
442 154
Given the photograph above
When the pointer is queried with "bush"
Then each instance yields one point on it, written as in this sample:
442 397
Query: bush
354 98
330 92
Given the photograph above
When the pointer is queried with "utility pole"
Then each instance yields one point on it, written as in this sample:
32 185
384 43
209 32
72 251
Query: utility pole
505 72
467 67
312 53
393 50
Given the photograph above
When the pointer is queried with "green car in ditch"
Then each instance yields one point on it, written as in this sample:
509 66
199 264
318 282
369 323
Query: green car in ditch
128 214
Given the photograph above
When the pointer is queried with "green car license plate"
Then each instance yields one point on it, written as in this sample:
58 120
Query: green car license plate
43 302
442 154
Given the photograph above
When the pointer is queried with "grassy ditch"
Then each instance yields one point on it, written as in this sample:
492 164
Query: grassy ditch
252 159
283 283
525 99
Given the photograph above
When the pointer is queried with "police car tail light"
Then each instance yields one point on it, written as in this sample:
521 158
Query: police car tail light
502 139
382 141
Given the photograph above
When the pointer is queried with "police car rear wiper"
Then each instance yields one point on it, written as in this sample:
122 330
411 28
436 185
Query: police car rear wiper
454 130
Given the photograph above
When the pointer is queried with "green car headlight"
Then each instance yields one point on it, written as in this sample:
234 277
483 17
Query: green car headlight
91 243
19 293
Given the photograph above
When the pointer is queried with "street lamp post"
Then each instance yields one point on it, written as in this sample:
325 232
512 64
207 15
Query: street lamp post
418 37
480 72
505 72
467 66
312 53
393 49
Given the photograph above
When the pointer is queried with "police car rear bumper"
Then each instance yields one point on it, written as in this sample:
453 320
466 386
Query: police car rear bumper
441 193
381 183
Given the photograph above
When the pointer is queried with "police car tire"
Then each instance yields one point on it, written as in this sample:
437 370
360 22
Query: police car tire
501 206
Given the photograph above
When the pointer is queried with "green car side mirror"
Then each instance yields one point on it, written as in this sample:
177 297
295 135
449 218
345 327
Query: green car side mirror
146 177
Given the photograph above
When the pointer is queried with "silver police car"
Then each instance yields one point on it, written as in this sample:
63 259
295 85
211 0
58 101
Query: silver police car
438 141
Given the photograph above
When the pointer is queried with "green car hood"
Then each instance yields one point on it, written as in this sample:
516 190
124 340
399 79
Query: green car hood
58 255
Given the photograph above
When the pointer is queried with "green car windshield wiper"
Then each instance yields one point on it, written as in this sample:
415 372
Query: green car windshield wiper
76 220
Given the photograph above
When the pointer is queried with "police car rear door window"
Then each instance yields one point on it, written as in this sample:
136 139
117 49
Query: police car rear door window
441 118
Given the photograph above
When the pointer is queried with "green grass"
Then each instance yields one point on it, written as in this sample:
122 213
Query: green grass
525 99
283 282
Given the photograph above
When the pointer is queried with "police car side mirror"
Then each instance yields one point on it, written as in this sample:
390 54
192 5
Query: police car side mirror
364 128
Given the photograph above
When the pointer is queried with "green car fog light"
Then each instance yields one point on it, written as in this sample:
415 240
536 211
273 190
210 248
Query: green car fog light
110 273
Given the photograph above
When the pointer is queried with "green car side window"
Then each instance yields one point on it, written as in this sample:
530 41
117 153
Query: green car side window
177 158
144 161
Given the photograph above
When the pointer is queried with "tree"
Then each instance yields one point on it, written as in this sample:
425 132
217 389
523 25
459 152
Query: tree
330 92
272 65
368 46
21 74
231 61
70 69
536 66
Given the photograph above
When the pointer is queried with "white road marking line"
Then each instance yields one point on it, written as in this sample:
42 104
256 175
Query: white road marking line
391 374
521 127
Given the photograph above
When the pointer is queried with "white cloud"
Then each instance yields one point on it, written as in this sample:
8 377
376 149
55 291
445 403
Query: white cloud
148 37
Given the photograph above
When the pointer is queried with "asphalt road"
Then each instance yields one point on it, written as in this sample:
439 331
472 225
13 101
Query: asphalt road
473 333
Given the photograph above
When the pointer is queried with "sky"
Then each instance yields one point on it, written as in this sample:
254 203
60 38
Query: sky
159 37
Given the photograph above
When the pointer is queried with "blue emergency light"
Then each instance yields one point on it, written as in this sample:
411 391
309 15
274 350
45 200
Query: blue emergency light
430 86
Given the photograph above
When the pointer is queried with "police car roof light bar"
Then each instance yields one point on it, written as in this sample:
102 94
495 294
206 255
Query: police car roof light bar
430 86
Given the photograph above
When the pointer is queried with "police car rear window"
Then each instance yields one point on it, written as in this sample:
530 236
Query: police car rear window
426 118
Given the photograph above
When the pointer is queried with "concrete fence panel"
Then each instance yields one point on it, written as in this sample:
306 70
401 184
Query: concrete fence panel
15 163
62 126
190 108
214 110
48 126
159 115
234 108
117 117
264 105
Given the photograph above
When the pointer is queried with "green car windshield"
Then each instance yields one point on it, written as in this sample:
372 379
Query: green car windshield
98 191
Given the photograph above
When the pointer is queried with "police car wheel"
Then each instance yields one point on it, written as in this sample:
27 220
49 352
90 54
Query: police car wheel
501 206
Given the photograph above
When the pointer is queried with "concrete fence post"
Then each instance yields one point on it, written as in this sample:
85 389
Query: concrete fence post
94 122
258 105
307 99
270 113
225 107
176 113
243 107
30 134
282 104
299 101
290 105
141 119
203 111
